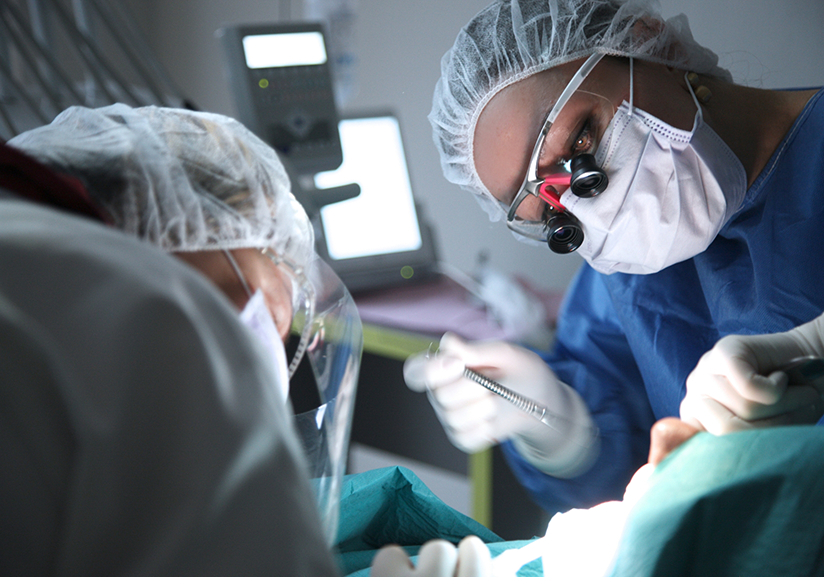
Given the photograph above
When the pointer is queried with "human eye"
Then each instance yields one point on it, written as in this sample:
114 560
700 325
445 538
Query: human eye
584 141
578 141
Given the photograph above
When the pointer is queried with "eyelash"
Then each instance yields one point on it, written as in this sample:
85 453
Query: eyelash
584 135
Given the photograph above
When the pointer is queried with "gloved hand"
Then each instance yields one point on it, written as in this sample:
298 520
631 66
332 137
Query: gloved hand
739 384
475 418
437 558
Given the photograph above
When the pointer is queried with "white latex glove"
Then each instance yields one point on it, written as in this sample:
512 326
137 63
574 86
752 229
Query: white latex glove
475 418
739 384
437 558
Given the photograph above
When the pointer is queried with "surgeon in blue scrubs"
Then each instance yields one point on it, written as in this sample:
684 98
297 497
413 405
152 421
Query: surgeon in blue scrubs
599 127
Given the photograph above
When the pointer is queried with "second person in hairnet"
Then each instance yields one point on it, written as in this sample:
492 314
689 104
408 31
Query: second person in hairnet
145 425
147 429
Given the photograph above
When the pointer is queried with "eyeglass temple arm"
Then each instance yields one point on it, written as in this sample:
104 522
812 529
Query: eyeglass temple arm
573 85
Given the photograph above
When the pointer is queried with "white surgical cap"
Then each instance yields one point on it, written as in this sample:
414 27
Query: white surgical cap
182 180
510 40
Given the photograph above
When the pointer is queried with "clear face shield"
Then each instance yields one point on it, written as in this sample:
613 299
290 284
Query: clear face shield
325 347
326 332
562 159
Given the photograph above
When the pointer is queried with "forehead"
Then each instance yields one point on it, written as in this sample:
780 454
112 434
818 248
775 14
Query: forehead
509 124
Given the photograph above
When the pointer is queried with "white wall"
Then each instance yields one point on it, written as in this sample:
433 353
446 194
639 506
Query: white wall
764 43
399 44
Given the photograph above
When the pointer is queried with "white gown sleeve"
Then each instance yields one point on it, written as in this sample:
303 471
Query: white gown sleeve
141 433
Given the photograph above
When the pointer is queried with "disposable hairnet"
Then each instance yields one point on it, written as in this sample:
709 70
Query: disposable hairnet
510 40
183 180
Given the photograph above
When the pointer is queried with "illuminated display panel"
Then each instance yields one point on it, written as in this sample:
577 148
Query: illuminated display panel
382 219
280 50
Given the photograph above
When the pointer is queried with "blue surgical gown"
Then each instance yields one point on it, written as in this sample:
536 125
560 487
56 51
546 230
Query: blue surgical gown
626 343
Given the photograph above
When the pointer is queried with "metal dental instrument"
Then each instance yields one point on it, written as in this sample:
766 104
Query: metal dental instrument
527 405
540 412
805 371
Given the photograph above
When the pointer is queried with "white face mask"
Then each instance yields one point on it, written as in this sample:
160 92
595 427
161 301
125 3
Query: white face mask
670 192
257 317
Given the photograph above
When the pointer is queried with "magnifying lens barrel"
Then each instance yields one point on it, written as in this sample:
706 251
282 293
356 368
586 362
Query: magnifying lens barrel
564 234
588 179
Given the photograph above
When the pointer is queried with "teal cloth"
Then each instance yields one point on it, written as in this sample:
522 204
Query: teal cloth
393 506
749 503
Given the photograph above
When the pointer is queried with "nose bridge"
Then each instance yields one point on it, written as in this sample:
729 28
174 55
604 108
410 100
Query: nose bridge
559 181
551 194
537 194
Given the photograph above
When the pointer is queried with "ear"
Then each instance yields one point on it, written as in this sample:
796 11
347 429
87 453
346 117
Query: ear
648 29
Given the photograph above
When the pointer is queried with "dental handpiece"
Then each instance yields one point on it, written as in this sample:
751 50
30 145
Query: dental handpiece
540 412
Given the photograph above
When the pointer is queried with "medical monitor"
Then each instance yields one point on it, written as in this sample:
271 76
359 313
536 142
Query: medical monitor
378 238
281 81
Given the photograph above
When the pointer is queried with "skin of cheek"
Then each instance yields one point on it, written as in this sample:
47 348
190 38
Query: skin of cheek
278 295
662 92
259 272
214 265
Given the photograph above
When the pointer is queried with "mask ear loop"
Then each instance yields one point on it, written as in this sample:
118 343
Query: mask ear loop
300 279
309 303
700 112
631 85
238 272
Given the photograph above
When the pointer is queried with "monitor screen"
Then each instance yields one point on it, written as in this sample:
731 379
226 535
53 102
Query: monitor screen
382 219
281 50
380 229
